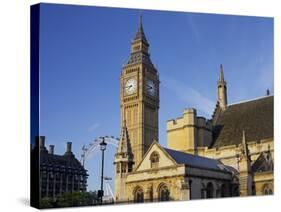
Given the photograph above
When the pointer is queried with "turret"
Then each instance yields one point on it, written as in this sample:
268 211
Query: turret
188 132
222 90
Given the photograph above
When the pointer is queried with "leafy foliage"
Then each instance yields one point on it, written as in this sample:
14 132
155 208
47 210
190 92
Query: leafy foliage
69 199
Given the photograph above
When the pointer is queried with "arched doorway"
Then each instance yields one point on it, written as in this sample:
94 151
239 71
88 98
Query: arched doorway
138 195
163 193
210 190
224 190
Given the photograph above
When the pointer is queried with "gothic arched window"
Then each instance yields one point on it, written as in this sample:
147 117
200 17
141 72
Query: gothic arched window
154 159
210 190
267 190
270 191
163 193
138 195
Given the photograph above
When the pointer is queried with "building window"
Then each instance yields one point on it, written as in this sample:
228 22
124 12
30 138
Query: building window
138 195
210 190
270 191
130 168
123 168
163 193
267 190
154 159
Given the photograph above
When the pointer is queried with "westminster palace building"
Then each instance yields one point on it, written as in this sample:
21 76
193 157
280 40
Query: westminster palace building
229 155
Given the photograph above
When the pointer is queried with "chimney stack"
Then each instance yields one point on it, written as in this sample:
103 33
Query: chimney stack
41 142
68 151
68 146
51 149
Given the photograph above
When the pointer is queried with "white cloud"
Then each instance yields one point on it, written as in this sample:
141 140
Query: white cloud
194 28
190 96
93 127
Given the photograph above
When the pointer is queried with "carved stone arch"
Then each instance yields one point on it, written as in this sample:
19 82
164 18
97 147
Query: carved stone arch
138 194
163 192
210 190
267 189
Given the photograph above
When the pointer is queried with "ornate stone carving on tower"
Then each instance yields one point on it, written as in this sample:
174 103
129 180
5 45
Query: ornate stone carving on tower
139 96
222 90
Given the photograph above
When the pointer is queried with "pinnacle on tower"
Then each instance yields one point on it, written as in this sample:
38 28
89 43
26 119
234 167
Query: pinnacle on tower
221 79
245 175
140 47
245 146
124 145
140 33
222 93
244 141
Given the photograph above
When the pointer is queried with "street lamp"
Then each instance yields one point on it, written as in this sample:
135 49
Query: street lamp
102 148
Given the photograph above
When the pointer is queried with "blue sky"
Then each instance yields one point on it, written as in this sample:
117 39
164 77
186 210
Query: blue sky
82 50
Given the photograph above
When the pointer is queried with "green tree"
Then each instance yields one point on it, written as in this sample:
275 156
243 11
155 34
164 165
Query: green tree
76 199
70 199
46 202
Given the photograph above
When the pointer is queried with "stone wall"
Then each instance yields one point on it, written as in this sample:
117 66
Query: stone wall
188 132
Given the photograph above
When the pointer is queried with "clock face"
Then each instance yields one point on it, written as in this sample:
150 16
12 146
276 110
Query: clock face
130 86
150 87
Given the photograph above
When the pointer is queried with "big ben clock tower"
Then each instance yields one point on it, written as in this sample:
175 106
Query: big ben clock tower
139 98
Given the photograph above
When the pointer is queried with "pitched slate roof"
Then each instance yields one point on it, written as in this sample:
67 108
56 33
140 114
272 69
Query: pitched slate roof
196 161
255 117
